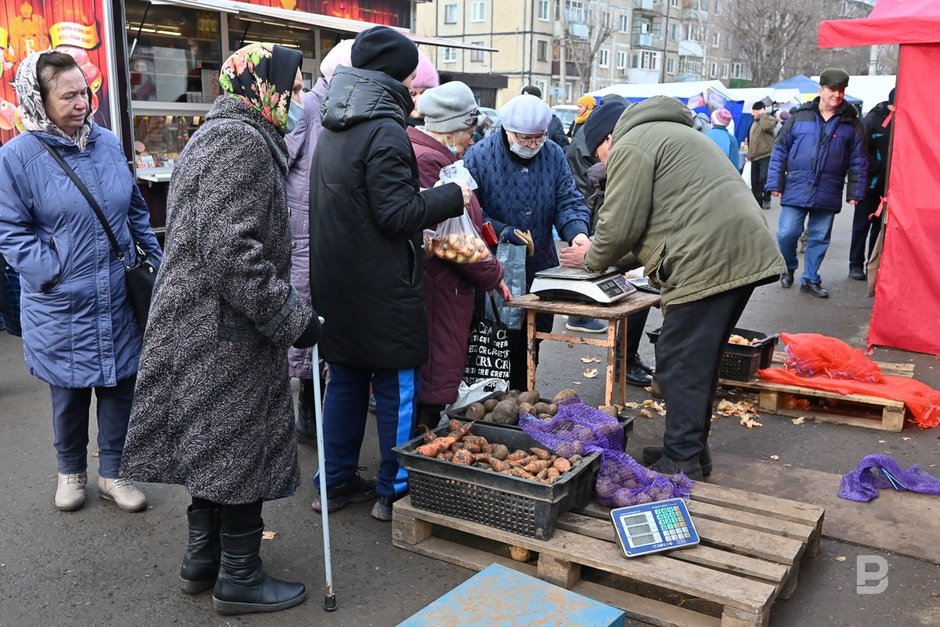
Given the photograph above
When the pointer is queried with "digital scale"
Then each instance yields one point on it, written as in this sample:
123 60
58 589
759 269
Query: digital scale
654 527
578 284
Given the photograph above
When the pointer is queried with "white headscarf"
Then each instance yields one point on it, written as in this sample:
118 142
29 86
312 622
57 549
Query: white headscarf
33 109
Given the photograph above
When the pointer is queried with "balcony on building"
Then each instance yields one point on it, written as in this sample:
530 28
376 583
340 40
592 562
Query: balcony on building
646 40
696 10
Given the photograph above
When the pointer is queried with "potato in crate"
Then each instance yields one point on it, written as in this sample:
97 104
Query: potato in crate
495 476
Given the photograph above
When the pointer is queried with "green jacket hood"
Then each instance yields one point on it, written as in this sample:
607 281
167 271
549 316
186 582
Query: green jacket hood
655 109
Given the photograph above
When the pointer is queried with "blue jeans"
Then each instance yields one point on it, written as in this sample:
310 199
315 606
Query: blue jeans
345 409
818 232
70 425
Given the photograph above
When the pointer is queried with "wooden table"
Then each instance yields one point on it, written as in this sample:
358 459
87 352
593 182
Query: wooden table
616 317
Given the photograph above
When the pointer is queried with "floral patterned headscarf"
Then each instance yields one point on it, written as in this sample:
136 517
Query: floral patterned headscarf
35 118
262 75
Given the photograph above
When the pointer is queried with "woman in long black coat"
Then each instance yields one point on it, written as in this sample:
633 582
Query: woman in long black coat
213 408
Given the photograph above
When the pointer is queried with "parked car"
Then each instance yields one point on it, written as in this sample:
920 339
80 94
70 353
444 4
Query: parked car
492 114
565 113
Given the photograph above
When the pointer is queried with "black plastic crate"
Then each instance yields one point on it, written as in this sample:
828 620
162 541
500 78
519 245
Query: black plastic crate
495 499
460 413
740 362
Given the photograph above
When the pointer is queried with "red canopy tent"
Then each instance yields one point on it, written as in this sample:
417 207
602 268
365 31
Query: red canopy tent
906 313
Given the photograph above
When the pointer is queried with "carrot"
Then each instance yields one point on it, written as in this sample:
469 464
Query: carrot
540 453
439 445
562 465
553 475
517 454
536 466
428 435
519 472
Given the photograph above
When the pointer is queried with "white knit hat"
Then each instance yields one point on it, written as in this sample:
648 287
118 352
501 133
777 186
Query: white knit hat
525 114
338 55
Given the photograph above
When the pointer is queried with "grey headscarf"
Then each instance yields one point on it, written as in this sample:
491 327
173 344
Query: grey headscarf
33 109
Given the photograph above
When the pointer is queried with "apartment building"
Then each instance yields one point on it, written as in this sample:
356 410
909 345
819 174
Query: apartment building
571 47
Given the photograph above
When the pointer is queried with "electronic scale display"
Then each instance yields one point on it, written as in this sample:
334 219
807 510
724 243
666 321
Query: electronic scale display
654 527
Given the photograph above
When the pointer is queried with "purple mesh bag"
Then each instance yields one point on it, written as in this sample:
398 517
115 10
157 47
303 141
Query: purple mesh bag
862 484
579 429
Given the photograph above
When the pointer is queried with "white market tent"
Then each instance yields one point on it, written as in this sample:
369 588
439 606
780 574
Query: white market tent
869 89
750 95
682 90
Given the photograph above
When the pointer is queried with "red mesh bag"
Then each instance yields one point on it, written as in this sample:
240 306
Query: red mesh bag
815 355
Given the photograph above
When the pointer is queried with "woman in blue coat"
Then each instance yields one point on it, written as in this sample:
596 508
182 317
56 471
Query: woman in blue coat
79 332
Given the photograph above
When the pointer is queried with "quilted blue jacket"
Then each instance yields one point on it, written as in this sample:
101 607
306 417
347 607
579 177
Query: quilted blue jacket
812 157
78 327
532 195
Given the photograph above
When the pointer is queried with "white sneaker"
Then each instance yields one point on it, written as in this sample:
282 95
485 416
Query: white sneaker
70 493
122 492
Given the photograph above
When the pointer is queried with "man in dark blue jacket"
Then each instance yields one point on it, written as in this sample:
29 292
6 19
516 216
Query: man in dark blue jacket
820 143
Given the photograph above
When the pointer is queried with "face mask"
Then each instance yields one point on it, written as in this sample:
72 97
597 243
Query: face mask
294 114
525 152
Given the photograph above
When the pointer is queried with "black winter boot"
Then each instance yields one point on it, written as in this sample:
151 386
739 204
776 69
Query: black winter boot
242 587
651 455
306 422
201 562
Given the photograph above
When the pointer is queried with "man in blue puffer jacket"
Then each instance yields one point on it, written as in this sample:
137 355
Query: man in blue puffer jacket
820 143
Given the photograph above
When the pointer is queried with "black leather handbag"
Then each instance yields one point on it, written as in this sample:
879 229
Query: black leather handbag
139 273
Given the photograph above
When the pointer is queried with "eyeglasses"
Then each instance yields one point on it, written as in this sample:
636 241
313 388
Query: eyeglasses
537 139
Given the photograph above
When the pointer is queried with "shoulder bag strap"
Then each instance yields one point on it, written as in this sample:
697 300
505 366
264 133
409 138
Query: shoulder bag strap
91 199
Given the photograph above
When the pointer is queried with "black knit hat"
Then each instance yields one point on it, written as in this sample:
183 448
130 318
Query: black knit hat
758 104
384 49
601 123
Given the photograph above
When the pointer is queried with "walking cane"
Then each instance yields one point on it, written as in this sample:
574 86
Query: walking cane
329 600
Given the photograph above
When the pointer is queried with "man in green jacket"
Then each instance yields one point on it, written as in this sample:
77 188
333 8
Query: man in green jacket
760 145
677 207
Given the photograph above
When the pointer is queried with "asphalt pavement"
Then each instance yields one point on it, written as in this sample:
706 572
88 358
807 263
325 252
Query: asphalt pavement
101 566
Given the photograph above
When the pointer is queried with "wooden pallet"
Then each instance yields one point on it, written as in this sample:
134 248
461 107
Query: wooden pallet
857 410
750 553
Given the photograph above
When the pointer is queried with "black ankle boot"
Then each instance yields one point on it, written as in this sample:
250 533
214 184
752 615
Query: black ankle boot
306 422
201 562
242 587
651 455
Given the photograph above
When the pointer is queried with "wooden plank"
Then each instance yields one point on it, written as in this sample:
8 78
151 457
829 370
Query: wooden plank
637 607
634 303
880 423
753 543
702 555
757 503
759 385
691 579
758 522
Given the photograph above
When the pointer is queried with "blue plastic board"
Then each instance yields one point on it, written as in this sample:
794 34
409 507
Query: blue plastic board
654 527
502 597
